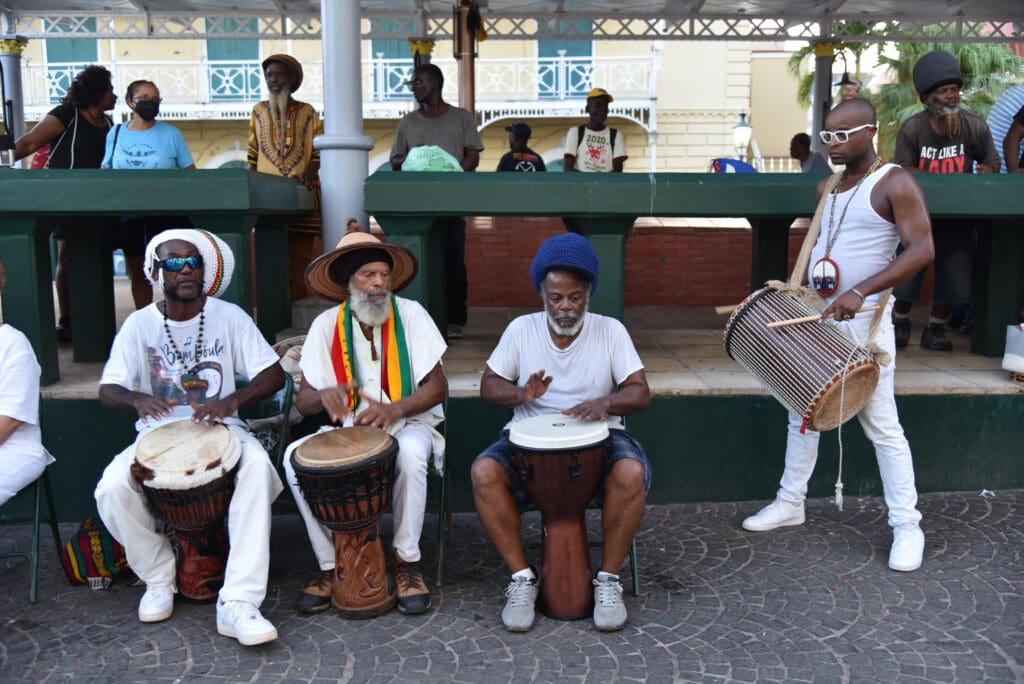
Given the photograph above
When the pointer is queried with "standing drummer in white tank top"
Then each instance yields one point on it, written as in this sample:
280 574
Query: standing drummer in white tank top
874 208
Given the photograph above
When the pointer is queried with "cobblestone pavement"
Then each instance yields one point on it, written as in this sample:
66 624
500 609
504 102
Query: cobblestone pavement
717 604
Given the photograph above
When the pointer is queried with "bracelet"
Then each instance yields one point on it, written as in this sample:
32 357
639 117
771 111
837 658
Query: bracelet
858 293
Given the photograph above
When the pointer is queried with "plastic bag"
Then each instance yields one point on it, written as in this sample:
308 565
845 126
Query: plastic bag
1013 357
430 158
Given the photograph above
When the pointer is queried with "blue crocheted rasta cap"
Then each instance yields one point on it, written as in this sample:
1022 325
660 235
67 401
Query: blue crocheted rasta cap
570 251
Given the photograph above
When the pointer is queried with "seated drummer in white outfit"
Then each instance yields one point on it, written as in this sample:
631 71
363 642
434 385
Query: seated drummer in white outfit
191 335
23 458
565 360
363 273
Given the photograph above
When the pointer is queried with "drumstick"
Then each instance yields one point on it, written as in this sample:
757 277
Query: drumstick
808 319
722 310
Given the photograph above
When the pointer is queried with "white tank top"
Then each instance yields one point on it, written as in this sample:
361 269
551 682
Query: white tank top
866 243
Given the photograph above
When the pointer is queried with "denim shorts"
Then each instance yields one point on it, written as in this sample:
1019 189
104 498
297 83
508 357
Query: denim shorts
624 445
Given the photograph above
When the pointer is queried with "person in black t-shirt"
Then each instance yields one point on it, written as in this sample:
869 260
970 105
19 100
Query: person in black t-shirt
520 157
76 131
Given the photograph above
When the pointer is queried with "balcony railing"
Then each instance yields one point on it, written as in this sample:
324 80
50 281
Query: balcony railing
205 89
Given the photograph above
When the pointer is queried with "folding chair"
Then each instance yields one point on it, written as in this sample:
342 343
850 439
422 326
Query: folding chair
41 484
277 404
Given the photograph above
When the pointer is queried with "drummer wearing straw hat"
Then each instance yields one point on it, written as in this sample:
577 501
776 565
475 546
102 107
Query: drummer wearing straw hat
564 360
375 359
176 360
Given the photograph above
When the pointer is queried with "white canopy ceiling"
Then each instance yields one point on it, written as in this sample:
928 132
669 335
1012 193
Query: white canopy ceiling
811 20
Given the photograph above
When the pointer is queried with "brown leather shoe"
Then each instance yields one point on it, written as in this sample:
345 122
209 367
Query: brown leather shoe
413 595
316 597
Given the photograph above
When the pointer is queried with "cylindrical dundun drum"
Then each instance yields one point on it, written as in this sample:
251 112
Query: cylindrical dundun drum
803 365
187 471
346 476
560 461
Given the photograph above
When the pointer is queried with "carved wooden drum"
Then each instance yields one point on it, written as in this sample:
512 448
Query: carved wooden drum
346 477
803 366
187 472
560 461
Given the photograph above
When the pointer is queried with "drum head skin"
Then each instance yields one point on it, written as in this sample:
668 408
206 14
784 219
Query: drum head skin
835 400
185 455
555 432
342 447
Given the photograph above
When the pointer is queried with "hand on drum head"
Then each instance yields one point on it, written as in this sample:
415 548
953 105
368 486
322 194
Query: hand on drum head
149 406
595 409
335 401
377 414
214 411
536 385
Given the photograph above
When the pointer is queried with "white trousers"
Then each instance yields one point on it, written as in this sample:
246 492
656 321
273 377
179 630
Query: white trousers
881 424
408 497
125 511
20 468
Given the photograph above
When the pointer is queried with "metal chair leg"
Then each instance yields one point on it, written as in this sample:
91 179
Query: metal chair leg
444 520
33 591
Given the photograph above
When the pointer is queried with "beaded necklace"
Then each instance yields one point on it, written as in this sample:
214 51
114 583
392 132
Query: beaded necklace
825 272
199 339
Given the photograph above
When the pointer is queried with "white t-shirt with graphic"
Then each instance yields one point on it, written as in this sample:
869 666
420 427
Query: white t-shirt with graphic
142 359
594 154
594 365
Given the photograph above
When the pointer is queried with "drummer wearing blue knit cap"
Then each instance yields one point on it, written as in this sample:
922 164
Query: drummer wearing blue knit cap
567 361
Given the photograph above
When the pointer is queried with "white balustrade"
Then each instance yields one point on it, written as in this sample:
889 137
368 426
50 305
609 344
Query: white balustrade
205 89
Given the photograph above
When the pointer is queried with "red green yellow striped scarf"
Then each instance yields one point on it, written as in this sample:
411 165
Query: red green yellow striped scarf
396 372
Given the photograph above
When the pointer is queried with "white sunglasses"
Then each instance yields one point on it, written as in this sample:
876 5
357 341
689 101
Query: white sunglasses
841 136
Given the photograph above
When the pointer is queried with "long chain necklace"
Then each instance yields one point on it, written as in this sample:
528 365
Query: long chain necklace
825 272
199 339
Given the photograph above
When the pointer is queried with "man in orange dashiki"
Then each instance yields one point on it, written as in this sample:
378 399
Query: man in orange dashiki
281 133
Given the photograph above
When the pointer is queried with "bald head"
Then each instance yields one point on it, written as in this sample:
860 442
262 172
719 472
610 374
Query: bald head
855 109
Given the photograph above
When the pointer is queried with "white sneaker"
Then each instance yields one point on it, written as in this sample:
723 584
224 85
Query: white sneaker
157 603
907 547
609 610
242 620
778 513
519 614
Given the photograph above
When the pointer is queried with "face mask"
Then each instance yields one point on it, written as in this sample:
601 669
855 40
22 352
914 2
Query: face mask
147 109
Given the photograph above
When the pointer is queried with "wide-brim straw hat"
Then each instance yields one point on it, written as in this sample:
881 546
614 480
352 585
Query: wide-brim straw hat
318 273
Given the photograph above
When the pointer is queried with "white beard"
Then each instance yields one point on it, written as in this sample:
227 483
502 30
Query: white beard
572 330
367 312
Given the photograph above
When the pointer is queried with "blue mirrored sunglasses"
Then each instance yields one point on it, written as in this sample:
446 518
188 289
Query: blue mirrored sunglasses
175 264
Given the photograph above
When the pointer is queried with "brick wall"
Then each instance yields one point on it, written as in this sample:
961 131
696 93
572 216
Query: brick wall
680 263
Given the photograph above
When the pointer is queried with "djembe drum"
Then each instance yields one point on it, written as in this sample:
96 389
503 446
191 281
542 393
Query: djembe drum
187 472
346 476
560 461
813 369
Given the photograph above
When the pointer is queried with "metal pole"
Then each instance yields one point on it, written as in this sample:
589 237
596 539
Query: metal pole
11 48
344 147
824 55
466 58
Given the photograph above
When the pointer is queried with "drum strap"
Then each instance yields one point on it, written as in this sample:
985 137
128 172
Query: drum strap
396 370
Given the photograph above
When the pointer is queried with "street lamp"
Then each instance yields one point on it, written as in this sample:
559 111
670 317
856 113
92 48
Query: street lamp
741 134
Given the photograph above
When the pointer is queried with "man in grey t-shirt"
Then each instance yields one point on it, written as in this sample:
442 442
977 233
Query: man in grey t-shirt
453 129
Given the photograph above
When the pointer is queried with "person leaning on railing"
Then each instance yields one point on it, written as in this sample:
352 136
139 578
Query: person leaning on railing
76 131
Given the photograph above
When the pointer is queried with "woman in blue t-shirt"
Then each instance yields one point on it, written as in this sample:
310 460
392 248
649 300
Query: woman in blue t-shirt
144 143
